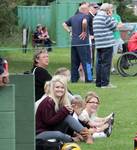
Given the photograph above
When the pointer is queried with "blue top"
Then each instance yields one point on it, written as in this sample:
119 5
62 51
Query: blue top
76 23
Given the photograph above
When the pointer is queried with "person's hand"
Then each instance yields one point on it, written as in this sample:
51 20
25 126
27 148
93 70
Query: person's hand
83 35
120 25
91 37
70 33
69 108
1 81
109 12
6 79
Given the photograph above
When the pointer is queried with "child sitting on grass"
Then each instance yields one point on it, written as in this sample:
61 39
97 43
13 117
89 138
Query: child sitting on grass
77 105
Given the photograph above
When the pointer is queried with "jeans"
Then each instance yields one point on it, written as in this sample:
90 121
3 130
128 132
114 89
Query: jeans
103 66
59 132
81 54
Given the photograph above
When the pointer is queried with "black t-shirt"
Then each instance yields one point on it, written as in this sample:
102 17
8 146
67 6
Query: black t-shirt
41 76
90 16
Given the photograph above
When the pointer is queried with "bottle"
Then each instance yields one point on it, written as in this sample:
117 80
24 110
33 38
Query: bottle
135 142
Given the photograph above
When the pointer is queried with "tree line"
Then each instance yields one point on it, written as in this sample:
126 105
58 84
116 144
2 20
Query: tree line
8 12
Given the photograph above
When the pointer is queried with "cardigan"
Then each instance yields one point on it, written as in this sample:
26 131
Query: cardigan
46 116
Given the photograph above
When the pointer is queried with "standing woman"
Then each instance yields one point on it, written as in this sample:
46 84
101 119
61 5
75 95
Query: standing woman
40 63
53 116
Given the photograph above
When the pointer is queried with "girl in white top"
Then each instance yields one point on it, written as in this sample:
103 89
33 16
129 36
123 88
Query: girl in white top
89 114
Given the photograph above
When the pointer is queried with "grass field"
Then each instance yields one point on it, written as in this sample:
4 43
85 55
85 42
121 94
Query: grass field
122 100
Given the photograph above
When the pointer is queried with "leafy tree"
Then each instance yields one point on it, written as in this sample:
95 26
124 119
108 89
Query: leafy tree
8 17
34 2
126 13
44 2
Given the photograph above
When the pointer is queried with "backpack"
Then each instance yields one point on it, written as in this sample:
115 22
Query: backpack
48 144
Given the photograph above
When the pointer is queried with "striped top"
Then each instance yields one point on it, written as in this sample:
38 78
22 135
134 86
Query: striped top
103 27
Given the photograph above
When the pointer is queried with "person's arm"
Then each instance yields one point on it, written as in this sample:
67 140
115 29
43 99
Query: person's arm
66 27
83 34
111 23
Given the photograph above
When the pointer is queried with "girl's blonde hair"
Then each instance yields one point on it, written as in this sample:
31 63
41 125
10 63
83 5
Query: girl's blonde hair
91 95
64 99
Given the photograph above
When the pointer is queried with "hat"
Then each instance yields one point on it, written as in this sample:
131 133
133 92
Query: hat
95 5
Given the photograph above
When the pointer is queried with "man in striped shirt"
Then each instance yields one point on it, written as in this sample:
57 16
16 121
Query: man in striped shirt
103 27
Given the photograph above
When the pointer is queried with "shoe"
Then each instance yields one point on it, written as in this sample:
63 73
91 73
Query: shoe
108 131
126 66
112 118
114 72
99 135
109 86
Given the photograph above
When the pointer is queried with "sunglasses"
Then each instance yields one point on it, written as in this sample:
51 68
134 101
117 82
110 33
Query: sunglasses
94 102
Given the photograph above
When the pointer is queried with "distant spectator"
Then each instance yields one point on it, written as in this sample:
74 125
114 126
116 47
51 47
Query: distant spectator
38 39
117 36
80 51
132 43
93 8
1 72
103 27
4 79
40 62
47 41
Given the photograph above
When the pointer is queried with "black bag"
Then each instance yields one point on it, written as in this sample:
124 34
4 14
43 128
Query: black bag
48 145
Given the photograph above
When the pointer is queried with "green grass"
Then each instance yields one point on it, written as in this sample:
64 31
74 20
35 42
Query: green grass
122 100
